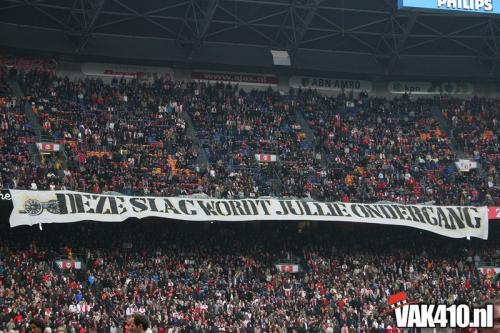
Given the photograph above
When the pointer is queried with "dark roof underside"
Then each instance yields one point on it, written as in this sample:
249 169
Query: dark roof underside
359 37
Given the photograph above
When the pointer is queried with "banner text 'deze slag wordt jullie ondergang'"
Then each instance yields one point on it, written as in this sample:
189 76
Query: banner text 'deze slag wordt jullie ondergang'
34 207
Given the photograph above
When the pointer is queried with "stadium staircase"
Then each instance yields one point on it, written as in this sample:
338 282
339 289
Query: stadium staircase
37 128
311 138
191 133
32 119
445 127
273 180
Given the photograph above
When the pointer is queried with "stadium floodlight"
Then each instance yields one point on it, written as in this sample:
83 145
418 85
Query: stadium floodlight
281 58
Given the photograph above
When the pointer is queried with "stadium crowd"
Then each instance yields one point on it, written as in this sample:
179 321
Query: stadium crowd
223 278
475 126
132 137
389 150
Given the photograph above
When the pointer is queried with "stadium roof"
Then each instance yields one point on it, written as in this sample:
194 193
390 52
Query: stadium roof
368 38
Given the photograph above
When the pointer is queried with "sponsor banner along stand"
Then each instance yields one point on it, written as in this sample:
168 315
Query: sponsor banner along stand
36 207
28 63
431 88
330 84
126 71
239 78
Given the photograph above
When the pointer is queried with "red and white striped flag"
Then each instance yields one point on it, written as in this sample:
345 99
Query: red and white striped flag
69 264
265 158
48 147
284 268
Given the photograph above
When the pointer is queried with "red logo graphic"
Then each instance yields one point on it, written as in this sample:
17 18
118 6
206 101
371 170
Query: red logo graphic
397 301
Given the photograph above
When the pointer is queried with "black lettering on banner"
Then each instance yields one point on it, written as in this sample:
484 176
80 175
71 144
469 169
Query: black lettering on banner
456 218
112 204
292 209
61 200
101 201
374 211
183 207
138 205
254 207
79 203
264 207
86 204
236 208
416 214
466 211
169 206
354 209
446 217
334 210
121 201
442 218
250 207
208 208
404 211
341 208
331 210
399 212
319 209
226 208
72 203
389 212
283 207
428 219
152 204
306 208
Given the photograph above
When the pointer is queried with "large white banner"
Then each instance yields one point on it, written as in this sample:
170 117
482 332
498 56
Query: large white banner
332 84
34 207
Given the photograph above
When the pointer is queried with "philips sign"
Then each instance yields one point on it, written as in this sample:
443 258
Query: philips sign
469 6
